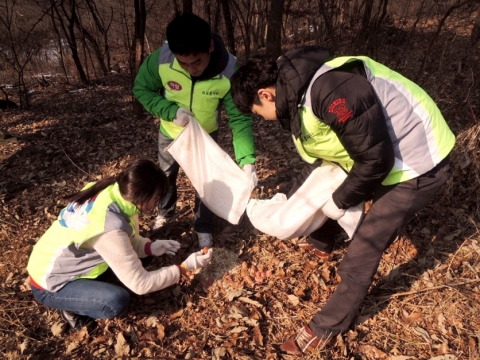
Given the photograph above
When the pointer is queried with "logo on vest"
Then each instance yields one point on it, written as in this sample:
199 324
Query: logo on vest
174 86
340 110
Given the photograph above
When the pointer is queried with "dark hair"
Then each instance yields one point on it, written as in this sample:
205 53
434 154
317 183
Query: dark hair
188 34
248 79
138 183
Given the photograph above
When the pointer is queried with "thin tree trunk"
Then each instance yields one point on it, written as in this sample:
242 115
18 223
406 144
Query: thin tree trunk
229 27
187 6
71 39
60 45
138 46
274 30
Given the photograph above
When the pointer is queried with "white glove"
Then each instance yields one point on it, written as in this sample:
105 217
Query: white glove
160 247
332 211
197 260
251 172
181 119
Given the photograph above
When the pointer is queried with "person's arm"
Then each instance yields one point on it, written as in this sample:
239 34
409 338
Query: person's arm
241 125
146 89
117 251
361 128
141 246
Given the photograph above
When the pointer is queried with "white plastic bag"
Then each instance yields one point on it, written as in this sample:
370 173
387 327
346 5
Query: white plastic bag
302 213
221 185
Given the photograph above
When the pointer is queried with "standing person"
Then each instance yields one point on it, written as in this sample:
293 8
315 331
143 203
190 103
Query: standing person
381 128
192 72
99 230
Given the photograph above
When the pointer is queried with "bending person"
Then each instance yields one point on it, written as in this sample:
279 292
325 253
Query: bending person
381 128
98 230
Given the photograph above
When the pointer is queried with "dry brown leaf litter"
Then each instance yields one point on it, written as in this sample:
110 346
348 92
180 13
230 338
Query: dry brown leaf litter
423 304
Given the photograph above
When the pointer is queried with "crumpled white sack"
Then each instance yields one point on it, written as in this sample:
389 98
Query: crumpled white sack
221 185
302 213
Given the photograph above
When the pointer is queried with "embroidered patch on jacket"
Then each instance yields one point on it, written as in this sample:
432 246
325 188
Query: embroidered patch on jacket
174 86
339 108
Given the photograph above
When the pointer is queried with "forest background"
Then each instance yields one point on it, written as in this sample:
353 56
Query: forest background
69 66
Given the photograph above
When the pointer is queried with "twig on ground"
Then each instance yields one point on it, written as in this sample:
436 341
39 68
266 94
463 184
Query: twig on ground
426 289
79 168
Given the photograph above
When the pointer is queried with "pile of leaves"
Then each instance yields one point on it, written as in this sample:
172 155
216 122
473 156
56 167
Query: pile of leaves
259 289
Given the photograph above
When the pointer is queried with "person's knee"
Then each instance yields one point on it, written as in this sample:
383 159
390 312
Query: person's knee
356 278
117 303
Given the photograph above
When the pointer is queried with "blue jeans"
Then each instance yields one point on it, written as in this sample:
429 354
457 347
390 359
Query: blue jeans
93 298
203 218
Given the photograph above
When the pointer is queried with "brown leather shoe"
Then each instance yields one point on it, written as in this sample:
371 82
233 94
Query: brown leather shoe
305 342
303 244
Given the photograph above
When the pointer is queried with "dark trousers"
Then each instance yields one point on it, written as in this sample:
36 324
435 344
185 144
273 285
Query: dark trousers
203 218
393 206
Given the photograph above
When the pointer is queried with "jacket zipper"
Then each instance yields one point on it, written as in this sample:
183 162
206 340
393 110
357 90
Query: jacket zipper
191 94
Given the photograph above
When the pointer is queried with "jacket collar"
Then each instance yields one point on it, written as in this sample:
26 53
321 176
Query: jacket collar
295 71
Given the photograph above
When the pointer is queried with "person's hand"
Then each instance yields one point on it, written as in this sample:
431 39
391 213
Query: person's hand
197 260
182 117
332 211
251 172
160 247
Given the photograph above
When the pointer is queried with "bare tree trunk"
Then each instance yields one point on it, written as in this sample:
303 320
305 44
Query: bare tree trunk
216 23
137 46
229 27
187 6
367 14
475 35
455 6
69 32
60 45
102 28
328 21
274 30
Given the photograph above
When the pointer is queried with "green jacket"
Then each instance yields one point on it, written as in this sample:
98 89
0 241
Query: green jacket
162 86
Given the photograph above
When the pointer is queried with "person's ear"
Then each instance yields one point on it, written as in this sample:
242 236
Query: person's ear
265 94
212 46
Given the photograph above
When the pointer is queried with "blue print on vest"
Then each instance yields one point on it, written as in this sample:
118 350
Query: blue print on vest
75 216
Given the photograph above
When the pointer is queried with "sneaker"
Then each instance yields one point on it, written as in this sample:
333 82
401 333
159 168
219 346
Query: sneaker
204 240
305 341
160 221
75 321
303 244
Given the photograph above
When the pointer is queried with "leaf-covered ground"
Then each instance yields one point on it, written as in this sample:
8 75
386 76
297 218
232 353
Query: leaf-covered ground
424 303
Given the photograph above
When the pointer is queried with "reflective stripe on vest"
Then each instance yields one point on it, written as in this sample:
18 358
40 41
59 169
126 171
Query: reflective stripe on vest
59 258
202 99
421 138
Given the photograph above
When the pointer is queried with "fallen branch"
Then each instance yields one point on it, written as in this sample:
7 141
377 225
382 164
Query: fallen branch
423 290
79 168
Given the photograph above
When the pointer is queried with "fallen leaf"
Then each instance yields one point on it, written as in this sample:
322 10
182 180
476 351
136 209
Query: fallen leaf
238 329
58 328
443 348
371 352
160 332
176 315
234 294
411 318
72 346
423 333
23 346
250 301
293 299
121 347
152 321
257 336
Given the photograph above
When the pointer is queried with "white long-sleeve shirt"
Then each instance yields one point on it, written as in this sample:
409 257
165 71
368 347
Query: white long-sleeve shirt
123 256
